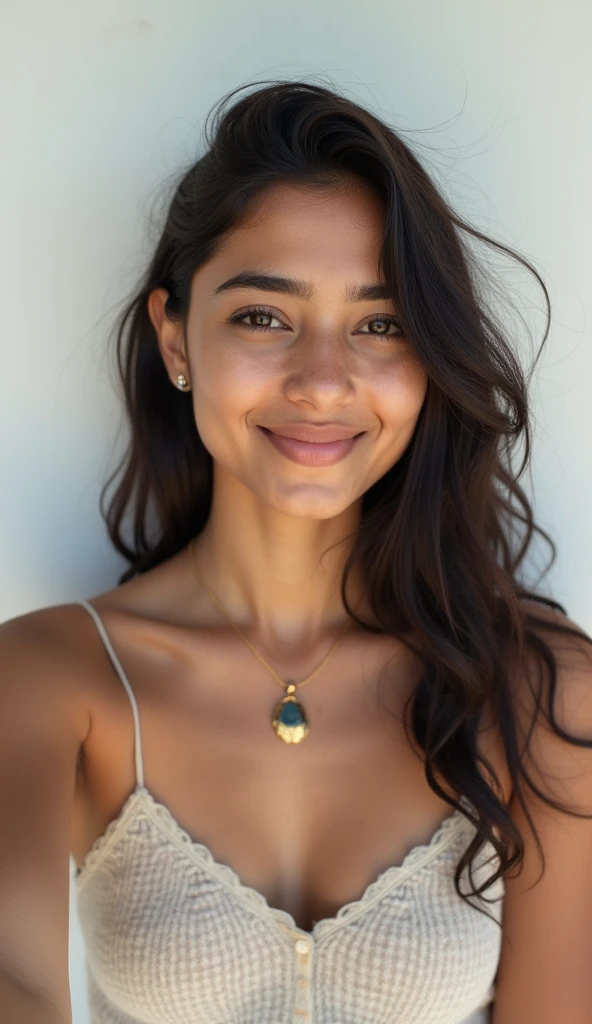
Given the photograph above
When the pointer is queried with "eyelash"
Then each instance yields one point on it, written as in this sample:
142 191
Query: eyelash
265 311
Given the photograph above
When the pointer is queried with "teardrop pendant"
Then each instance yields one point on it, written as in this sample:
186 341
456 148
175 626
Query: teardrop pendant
289 720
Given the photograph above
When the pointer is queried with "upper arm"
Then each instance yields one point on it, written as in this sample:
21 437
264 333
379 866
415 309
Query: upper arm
545 969
42 726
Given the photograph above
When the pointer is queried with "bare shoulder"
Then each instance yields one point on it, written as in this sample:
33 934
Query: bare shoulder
40 659
552 620
564 650
57 650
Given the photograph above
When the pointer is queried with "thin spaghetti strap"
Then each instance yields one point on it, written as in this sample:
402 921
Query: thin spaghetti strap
119 669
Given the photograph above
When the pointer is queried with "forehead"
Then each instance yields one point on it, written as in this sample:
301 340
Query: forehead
348 204
306 233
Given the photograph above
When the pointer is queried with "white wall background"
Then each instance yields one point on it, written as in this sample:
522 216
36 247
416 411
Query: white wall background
102 101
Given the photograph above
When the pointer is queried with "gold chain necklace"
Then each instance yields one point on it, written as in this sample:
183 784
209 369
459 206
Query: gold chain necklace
289 719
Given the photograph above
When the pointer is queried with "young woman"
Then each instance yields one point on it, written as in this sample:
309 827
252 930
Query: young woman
308 752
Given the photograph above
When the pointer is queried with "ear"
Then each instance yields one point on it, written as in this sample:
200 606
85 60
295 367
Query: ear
170 335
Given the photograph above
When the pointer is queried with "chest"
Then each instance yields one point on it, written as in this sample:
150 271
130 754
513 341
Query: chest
310 826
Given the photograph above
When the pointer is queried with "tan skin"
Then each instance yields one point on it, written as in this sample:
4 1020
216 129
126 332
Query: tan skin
356 793
310 826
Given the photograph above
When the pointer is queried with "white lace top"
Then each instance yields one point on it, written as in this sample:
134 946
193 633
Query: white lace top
174 937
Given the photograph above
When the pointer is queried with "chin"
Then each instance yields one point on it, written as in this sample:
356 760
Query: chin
308 502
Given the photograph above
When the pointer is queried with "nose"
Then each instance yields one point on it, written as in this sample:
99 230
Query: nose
320 371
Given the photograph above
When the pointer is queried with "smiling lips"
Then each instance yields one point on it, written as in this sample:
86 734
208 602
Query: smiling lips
313 444
315 432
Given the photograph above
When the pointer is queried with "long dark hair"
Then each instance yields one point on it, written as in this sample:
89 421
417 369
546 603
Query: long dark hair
444 532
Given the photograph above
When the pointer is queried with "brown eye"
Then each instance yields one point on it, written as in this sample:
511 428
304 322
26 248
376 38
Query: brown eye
387 322
256 311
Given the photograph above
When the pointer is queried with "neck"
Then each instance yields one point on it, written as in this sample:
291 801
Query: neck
273 573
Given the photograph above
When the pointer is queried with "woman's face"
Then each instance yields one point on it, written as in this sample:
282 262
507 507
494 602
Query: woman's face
324 355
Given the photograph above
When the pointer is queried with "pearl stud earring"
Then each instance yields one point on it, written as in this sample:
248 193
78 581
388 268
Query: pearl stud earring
182 383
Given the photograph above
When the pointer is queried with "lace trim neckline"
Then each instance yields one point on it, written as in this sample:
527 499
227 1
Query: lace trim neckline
415 859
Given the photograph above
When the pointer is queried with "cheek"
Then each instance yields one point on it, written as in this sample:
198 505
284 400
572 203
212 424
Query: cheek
400 394
226 390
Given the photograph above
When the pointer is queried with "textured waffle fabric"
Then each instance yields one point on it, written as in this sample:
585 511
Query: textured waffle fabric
174 937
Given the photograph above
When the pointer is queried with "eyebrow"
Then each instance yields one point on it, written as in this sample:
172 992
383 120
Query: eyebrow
299 289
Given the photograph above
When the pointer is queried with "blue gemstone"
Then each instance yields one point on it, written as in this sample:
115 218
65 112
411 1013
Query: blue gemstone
291 714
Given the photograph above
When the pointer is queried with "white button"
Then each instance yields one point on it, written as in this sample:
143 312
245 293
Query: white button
301 946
